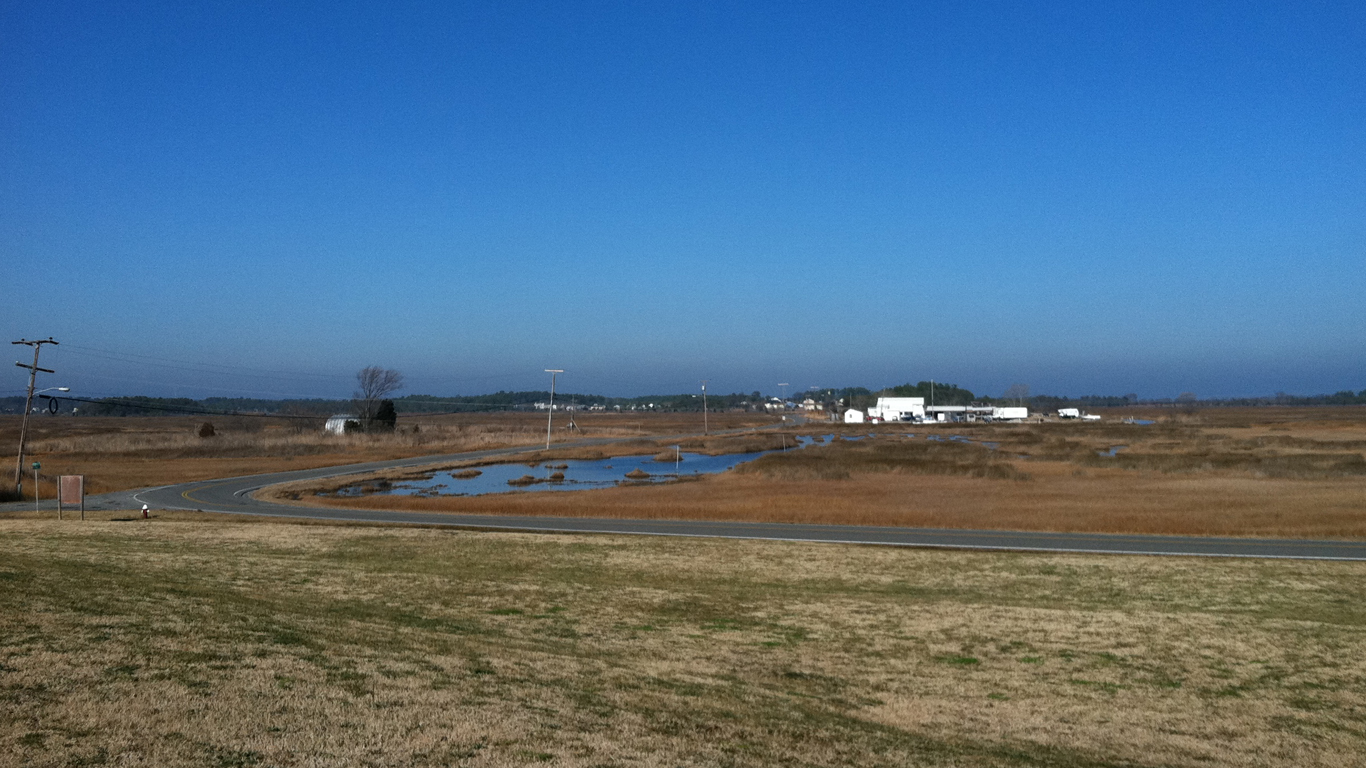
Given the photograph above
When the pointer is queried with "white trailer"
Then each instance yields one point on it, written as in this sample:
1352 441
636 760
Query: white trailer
1069 413
1011 413
898 408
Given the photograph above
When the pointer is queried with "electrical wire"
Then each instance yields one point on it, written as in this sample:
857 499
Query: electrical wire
217 368
125 403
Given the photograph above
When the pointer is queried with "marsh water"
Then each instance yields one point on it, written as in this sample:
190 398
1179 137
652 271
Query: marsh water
573 474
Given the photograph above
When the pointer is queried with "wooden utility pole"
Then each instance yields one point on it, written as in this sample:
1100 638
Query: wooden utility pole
28 406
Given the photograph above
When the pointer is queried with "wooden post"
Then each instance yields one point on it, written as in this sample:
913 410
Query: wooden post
71 490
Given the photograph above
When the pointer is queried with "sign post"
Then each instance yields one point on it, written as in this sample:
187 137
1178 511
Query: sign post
36 467
71 490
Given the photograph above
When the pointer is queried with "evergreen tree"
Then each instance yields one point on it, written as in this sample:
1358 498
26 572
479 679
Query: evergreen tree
385 417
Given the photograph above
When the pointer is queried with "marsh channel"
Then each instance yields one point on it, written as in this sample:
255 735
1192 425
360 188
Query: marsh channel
562 475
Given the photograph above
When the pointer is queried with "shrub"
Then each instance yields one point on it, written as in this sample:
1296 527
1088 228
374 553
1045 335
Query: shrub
205 430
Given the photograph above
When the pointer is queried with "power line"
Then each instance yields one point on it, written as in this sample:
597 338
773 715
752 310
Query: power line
134 357
185 409
143 405
163 383
247 371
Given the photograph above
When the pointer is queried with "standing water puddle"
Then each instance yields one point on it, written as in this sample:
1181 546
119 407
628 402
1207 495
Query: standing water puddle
561 475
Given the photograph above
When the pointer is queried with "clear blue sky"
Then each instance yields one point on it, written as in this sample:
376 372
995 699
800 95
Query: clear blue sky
1085 197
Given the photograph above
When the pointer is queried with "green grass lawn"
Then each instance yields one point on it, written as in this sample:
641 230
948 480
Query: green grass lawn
240 644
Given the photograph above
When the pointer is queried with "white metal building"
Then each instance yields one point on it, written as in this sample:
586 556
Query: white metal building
898 409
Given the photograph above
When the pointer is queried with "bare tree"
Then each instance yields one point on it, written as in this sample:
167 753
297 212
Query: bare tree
1017 392
1187 402
373 385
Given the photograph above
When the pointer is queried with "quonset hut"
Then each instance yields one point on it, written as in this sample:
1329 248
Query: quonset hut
336 425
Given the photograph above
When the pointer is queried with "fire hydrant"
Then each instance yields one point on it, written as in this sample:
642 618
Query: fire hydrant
144 511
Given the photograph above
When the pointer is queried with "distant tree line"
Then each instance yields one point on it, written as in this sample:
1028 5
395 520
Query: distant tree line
938 393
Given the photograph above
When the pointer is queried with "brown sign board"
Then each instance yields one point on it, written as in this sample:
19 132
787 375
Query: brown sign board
72 489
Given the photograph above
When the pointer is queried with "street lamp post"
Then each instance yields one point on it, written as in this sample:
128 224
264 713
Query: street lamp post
705 431
550 415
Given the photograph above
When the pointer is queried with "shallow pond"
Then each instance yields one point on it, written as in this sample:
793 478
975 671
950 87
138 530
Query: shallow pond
562 474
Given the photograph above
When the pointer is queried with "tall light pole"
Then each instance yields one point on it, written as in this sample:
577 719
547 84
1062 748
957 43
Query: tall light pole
550 416
28 405
704 406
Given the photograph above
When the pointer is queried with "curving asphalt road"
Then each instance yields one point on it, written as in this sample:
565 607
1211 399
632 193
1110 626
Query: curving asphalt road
233 495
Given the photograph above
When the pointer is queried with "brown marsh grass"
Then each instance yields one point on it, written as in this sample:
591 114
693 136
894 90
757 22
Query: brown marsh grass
1055 498
841 459
189 644
117 453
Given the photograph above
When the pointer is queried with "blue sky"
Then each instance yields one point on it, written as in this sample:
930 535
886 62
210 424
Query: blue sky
206 199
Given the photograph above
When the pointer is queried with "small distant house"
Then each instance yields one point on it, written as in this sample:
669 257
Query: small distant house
853 416
336 425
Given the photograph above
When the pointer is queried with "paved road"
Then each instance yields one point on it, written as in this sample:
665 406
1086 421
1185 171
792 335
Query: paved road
234 495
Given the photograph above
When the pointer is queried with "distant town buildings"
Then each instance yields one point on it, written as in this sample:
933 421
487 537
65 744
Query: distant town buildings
913 409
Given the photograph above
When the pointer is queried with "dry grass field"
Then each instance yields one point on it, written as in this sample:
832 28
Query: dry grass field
120 453
182 643
1261 472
